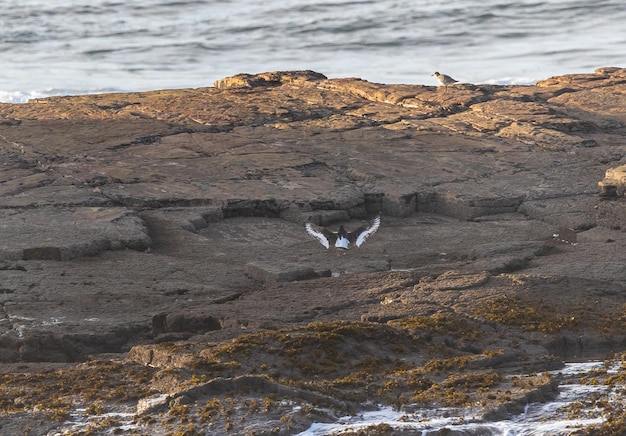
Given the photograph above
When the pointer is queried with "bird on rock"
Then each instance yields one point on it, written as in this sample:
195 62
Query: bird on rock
444 80
342 238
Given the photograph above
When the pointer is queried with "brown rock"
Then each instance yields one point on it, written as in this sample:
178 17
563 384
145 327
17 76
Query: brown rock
276 78
270 273
130 219
65 233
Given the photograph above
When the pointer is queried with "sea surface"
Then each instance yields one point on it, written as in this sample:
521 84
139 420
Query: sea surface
60 47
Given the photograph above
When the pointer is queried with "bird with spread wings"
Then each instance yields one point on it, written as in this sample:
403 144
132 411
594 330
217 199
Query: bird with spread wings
342 238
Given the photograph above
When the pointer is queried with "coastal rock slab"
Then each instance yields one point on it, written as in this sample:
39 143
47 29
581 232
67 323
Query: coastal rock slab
65 233
169 225
271 273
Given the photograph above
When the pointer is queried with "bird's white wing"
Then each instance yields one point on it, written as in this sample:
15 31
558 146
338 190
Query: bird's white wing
317 235
368 231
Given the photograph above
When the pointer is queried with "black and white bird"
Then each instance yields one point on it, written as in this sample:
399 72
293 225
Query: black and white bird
444 80
341 238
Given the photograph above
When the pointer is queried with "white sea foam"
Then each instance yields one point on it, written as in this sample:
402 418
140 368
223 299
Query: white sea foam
514 81
25 96
20 96
80 422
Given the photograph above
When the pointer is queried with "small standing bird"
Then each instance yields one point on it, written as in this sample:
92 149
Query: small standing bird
342 238
444 80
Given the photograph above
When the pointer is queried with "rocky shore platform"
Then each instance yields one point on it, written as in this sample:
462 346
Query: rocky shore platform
156 277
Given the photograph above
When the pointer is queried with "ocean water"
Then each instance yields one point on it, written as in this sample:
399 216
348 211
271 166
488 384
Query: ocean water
57 47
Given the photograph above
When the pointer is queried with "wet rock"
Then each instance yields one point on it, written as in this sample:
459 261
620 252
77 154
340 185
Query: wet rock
611 214
63 234
36 422
184 322
271 273
507 257
544 393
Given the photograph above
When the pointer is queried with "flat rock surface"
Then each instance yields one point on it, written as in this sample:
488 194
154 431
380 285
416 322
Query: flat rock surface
178 215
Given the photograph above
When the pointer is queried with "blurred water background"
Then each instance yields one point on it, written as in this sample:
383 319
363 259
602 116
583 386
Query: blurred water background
61 47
